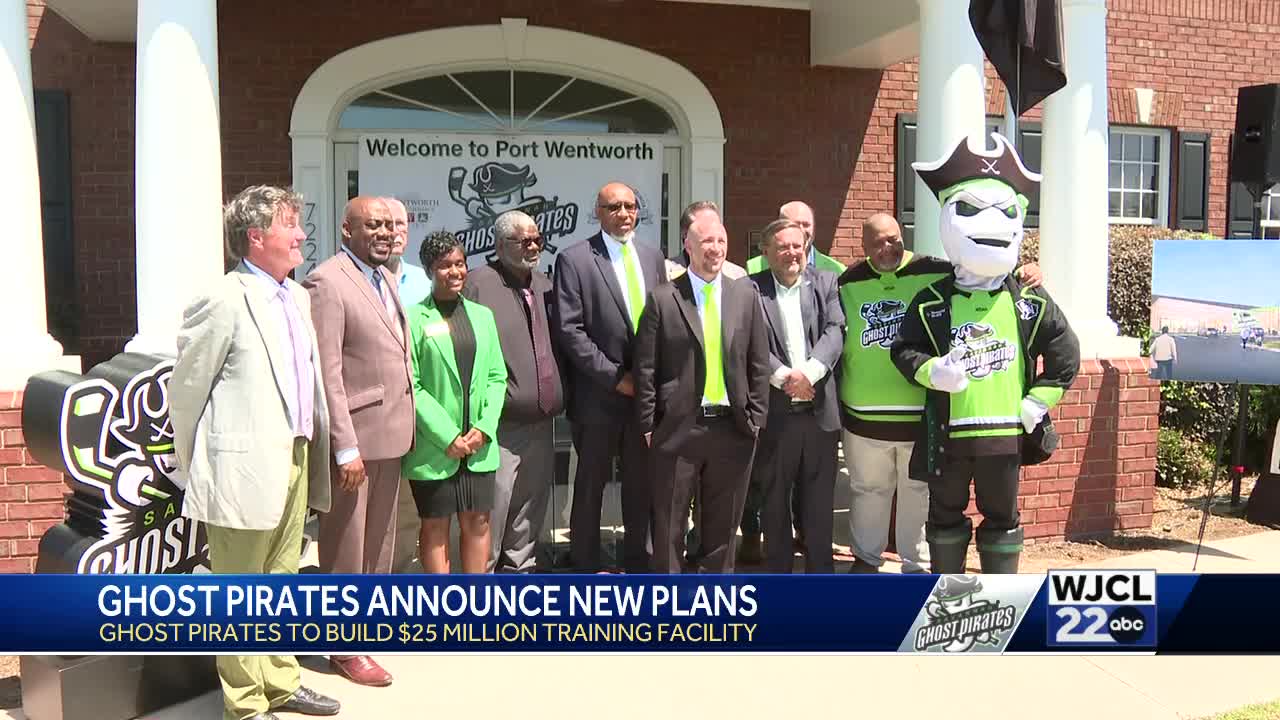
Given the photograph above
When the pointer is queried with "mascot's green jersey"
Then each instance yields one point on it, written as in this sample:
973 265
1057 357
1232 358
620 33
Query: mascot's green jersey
986 415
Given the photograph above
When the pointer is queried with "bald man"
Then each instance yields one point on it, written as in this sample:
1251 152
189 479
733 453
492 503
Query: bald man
801 214
880 409
364 361
600 290
412 282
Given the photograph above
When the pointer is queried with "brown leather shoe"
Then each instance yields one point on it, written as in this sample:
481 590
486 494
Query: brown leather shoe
361 670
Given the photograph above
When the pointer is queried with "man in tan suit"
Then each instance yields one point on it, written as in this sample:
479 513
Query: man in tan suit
251 429
364 360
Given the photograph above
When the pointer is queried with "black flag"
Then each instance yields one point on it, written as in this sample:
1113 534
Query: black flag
1023 40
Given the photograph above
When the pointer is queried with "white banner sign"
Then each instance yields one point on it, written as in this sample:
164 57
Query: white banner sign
461 183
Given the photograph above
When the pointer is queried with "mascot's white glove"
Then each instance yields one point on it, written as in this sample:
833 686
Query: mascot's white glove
947 372
1033 411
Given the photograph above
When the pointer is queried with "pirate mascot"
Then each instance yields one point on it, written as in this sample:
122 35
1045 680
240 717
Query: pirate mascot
973 339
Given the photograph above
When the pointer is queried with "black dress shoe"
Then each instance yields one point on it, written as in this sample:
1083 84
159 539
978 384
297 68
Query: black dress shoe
861 567
309 702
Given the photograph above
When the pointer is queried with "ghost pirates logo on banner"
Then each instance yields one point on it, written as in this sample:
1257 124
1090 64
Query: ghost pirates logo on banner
498 187
116 445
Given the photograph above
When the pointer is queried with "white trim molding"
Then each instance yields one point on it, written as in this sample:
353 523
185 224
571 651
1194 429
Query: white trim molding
511 44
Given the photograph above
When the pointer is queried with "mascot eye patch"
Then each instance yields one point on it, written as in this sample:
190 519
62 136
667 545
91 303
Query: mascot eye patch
964 209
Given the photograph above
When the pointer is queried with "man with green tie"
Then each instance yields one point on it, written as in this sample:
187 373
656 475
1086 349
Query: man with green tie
600 288
702 396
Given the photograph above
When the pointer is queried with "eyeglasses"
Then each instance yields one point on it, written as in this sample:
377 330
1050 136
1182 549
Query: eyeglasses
615 207
531 240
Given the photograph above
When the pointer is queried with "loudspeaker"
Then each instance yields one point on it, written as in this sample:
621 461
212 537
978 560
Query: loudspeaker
1255 154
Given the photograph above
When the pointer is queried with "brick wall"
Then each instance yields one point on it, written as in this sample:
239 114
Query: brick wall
31 495
1102 477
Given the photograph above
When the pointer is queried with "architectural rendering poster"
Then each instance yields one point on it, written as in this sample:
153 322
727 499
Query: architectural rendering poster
461 183
1215 311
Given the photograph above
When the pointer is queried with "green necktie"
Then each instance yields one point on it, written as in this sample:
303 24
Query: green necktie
713 390
635 298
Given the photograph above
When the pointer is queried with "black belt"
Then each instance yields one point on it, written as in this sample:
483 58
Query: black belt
716 411
797 408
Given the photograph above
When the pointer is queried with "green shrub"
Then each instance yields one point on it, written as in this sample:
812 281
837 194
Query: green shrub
1200 411
1182 462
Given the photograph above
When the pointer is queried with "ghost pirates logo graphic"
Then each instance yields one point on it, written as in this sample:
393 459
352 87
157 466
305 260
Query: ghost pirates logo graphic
883 318
985 353
1027 310
960 619
117 445
498 187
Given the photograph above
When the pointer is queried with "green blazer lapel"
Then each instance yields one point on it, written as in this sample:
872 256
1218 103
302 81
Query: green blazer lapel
436 330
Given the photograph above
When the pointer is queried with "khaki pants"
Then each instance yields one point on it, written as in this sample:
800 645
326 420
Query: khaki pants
251 684
878 469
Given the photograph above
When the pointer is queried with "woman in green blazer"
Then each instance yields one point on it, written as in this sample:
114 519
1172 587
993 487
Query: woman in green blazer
452 465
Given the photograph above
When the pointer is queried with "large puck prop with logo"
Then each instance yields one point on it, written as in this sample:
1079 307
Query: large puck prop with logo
109 431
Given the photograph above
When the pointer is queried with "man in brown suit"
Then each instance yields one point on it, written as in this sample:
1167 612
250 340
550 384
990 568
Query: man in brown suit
364 360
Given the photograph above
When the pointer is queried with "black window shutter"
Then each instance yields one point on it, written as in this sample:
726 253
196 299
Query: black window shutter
1239 208
1192 208
53 152
905 179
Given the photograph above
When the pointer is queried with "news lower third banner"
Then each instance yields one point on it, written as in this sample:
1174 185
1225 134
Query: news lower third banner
1063 611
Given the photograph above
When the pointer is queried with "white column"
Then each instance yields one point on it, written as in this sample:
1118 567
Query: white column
952 103
29 348
179 165
1074 250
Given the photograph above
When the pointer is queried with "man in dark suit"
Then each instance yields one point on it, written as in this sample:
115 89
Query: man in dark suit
702 398
806 335
600 288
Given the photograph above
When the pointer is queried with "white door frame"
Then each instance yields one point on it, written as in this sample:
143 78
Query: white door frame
515 44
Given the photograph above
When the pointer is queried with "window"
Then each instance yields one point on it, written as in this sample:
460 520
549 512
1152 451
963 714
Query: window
1028 148
506 101
1138 176
1271 213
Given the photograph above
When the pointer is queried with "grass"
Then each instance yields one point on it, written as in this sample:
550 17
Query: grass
1261 711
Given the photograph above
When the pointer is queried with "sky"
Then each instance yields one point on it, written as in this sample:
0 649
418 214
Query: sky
1241 272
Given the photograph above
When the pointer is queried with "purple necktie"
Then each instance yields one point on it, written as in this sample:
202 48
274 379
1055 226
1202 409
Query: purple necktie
541 354
302 370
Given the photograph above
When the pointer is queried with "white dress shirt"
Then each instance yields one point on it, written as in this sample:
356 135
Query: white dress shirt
700 300
271 293
620 269
793 324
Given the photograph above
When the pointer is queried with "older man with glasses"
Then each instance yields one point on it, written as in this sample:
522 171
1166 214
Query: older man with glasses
600 290
518 294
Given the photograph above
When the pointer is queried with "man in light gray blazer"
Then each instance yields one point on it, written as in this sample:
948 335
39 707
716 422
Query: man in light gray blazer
251 428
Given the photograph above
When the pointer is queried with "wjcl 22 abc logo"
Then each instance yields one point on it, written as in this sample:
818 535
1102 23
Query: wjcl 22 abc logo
1101 607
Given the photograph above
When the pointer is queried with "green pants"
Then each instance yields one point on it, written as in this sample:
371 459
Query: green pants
251 684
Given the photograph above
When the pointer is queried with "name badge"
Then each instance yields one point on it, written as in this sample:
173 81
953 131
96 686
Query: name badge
437 328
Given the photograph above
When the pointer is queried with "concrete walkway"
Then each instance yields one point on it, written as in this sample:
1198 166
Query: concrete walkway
754 685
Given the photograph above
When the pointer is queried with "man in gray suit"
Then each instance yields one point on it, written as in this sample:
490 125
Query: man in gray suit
798 448
364 361
251 429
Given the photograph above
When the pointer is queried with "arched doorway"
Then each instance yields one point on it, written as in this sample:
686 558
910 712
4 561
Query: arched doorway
452 79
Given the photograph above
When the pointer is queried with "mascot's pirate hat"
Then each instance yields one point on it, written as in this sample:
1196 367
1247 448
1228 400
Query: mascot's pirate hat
964 164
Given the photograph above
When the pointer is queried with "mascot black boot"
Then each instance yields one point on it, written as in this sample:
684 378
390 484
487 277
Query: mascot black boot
948 547
998 550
